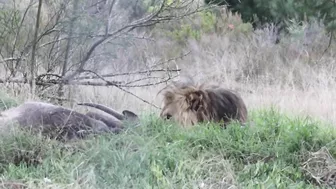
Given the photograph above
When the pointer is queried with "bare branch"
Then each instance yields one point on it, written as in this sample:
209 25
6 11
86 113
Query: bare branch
141 79
128 92
171 59
10 59
91 83
67 64
128 73
149 84
20 26
149 20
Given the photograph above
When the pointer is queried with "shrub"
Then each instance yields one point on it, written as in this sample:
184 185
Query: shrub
260 12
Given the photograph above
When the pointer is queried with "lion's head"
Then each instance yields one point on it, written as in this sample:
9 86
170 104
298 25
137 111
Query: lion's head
188 104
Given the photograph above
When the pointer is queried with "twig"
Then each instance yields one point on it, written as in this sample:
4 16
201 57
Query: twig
48 74
105 82
61 99
142 79
120 87
126 73
171 59
10 59
102 78
329 44
151 84
145 101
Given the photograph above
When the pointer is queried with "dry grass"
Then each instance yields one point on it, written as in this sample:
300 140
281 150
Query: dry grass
295 75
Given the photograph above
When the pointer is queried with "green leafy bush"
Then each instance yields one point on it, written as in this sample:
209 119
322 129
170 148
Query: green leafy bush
260 12
205 22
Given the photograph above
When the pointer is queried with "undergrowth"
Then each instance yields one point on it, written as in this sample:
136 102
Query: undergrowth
267 154
6 101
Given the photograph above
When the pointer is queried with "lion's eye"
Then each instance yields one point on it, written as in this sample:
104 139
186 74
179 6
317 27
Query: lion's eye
168 116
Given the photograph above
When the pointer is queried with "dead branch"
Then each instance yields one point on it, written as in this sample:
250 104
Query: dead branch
127 73
10 59
92 83
93 47
150 84
104 82
171 59
149 20
141 79
53 35
143 100
20 26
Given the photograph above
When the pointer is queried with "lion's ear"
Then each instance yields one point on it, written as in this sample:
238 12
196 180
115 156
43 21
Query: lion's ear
194 100
169 97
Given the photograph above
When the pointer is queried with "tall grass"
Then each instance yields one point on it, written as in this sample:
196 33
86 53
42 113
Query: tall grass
163 155
296 75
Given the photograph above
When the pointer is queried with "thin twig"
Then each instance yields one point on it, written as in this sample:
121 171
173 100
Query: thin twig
10 59
329 44
125 73
171 59
141 79
102 78
145 101
150 84
61 99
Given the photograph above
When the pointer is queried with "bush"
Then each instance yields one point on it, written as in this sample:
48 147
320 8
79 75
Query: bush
260 12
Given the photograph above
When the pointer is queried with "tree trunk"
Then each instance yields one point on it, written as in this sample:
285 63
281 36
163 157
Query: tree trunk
67 50
32 63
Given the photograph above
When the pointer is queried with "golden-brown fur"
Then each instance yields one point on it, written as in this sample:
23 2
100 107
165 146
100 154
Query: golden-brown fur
188 104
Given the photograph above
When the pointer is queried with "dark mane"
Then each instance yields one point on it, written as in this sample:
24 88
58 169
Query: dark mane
189 103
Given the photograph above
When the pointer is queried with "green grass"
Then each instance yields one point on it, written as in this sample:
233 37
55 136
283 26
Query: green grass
159 154
6 101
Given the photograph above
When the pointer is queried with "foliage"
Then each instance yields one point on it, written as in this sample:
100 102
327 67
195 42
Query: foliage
9 21
161 154
183 33
203 23
260 12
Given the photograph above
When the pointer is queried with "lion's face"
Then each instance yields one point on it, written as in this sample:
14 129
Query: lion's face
186 106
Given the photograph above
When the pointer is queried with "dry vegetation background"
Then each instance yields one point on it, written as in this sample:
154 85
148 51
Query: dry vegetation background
296 75
130 64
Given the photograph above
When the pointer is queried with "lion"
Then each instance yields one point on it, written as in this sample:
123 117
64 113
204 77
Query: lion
190 103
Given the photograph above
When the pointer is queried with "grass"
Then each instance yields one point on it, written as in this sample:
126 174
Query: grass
296 75
159 154
6 101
